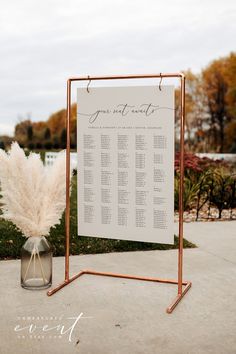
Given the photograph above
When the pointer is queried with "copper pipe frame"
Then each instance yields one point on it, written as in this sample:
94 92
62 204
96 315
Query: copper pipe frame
183 286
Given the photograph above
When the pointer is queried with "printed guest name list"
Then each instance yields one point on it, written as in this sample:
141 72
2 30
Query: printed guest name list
125 145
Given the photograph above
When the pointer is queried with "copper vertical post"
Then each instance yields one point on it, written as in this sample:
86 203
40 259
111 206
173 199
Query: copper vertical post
67 215
178 282
181 185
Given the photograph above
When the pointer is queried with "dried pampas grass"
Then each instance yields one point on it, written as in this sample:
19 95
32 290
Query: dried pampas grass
33 195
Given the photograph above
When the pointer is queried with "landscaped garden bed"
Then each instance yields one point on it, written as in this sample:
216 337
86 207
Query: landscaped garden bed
209 194
11 240
209 189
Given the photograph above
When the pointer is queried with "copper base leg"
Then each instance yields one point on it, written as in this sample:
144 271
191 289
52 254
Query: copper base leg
116 275
179 297
65 282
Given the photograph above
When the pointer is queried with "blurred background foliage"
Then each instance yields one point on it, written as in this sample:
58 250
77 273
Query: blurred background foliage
210 115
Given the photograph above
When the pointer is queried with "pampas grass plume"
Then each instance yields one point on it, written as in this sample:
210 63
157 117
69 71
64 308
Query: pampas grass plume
33 195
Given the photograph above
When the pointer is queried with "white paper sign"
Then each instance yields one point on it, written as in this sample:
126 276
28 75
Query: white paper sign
126 163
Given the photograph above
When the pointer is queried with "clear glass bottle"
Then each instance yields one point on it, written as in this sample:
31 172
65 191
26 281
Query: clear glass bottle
36 263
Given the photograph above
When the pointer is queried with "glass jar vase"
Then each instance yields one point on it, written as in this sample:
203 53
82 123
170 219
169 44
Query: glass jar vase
36 263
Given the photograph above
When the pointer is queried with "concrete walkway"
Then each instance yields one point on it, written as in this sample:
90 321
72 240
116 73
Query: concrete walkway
119 316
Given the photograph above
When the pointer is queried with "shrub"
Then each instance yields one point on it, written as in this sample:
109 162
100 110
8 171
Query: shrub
38 145
205 182
31 146
222 195
189 193
48 145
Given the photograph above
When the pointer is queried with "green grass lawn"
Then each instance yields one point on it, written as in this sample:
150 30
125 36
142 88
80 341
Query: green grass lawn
11 240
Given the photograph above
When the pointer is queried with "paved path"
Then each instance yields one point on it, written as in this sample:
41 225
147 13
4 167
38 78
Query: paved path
125 316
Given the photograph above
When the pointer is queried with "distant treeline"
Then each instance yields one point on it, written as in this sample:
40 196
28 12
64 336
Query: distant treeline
50 134
210 114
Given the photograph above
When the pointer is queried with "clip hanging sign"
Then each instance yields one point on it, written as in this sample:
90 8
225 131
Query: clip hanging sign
126 163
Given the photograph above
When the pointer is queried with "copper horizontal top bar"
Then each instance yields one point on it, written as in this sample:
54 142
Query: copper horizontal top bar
118 77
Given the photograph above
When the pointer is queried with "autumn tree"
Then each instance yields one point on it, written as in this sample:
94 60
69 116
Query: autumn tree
5 141
57 121
21 131
39 130
30 132
195 111
230 75
63 138
230 133
215 88
47 134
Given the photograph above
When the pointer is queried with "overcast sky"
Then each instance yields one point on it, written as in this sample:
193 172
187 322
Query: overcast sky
42 43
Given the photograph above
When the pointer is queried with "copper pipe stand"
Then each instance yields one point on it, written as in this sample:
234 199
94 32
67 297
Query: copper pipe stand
183 286
186 284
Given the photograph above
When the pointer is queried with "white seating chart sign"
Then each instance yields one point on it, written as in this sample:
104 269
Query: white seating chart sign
126 163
